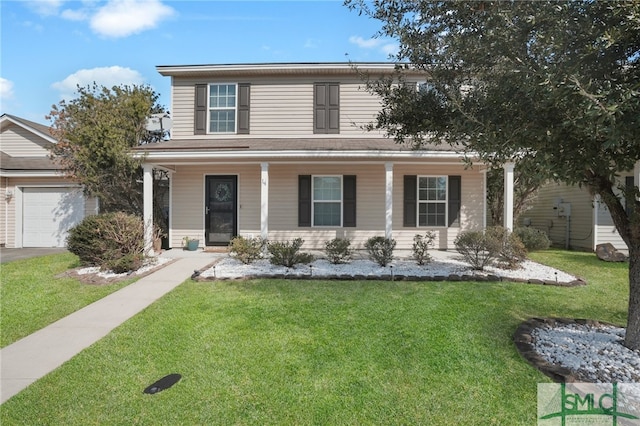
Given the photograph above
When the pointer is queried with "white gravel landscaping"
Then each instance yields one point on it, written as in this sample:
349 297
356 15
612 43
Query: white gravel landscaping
443 264
596 351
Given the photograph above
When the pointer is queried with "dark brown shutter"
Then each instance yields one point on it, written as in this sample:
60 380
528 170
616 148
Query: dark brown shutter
326 111
410 200
455 200
200 112
333 108
304 200
244 97
349 201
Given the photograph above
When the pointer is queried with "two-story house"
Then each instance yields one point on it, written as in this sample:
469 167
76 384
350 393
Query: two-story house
279 151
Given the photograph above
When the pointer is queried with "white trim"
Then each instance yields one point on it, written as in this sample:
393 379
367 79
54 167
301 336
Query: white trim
596 210
264 200
30 173
508 196
322 154
313 201
210 108
147 195
388 222
445 201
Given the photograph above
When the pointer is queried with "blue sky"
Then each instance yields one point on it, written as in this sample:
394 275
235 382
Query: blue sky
48 47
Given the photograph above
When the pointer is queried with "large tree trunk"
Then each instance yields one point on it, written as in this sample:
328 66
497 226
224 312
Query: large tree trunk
632 339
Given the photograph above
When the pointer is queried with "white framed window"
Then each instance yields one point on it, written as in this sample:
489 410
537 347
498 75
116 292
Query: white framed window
326 200
432 201
222 107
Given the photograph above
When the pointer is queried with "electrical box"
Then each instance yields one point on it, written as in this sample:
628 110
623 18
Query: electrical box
564 210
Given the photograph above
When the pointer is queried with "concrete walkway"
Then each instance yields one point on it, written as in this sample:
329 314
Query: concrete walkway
34 356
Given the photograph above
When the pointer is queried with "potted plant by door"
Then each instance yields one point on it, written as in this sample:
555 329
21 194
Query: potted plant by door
191 244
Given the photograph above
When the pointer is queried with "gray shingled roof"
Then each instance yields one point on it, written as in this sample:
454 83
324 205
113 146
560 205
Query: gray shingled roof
290 144
8 162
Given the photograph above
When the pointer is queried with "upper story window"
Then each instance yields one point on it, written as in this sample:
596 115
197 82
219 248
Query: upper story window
222 108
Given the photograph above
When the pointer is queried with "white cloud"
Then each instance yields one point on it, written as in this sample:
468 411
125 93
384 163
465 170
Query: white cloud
45 7
384 45
103 76
6 89
121 18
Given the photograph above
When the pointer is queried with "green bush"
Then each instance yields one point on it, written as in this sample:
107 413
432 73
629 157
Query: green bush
246 250
112 241
338 250
510 250
475 249
532 238
380 249
496 245
421 246
288 253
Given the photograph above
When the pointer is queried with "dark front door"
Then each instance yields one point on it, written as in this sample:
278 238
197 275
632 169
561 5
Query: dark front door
221 210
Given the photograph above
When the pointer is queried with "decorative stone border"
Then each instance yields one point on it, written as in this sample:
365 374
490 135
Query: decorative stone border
394 277
525 345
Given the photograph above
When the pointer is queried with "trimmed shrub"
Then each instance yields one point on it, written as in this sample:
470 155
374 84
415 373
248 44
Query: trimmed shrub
532 238
421 246
510 250
338 250
288 253
112 241
475 249
380 249
246 250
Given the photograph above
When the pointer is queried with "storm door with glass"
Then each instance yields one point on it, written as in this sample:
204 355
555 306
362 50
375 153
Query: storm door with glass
221 210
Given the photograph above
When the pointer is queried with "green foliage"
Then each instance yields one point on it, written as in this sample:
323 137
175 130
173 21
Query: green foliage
496 245
113 241
421 245
476 250
95 133
532 238
380 249
510 250
287 253
338 250
246 250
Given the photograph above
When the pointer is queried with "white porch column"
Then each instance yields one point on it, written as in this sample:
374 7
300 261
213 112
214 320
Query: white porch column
508 196
388 227
264 200
147 206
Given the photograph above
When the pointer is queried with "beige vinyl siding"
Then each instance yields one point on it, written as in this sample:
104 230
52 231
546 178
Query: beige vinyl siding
13 208
187 195
471 211
4 212
279 109
606 231
543 216
19 142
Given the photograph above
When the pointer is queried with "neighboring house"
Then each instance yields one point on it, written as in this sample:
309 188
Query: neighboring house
278 151
574 218
38 205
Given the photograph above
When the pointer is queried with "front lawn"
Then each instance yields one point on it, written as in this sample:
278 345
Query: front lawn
323 352
33 294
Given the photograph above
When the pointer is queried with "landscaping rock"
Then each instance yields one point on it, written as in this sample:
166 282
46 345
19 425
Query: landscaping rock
608 253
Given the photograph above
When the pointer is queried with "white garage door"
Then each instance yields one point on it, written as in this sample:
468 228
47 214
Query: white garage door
48 213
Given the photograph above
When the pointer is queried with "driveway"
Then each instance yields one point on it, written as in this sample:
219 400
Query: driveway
10 254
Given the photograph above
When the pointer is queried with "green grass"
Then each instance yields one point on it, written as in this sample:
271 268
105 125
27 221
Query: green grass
322 352
32 295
